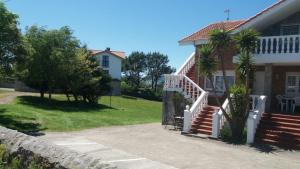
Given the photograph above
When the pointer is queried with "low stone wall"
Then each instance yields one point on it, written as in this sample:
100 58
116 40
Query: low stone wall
54 157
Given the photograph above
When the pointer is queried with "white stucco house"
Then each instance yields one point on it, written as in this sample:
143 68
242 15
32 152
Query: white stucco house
111 62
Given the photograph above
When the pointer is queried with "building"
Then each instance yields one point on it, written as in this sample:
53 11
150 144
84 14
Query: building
111 62
277 60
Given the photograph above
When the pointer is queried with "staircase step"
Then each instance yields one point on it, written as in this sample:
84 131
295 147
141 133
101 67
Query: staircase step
208 128
281 128
281 119
276 132
285 116
279 123
285 137
206 119
203 131
202 122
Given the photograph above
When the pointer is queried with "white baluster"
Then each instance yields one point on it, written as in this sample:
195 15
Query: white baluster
261 45
277 45
271 46
294 44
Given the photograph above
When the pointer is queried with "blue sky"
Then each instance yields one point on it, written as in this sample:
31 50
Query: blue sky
133 25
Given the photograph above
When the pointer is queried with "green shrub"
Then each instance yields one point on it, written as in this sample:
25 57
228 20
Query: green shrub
226 135
144 93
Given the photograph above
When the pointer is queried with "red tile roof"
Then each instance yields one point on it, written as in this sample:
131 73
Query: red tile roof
119 54
204 32
230 25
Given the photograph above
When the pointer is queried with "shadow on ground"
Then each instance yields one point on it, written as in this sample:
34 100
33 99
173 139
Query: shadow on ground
61 105
22 124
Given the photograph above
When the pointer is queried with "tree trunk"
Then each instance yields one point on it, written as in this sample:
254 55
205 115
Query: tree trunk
42 94
237 128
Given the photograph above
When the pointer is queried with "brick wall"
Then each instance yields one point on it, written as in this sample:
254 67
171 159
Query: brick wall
228 64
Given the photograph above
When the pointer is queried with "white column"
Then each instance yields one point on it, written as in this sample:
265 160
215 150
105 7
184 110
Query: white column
187 120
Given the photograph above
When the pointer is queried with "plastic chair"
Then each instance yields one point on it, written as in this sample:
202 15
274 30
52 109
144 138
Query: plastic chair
280 102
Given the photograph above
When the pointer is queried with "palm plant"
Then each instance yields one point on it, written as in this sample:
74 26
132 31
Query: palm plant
220 42
208 65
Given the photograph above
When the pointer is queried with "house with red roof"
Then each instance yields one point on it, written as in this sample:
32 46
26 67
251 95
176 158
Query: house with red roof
275 86
111 62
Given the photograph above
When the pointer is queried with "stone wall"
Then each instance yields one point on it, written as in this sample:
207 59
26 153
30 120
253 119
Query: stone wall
54 157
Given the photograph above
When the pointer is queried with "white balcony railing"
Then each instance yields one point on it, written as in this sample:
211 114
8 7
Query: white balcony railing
278 45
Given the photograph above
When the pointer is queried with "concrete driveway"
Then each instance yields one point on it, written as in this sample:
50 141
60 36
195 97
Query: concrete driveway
168 148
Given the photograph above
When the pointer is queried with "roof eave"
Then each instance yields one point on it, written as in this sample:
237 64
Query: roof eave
194 43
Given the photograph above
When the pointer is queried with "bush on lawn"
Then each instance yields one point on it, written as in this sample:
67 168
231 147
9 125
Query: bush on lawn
144 93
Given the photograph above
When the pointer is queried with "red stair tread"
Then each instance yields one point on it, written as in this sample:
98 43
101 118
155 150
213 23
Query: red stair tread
280 130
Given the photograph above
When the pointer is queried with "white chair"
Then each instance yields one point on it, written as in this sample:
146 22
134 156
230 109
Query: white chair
280 102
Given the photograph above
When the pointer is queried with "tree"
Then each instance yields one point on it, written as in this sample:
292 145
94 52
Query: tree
10 40
51 49
87 79
157 66
133 67
238 95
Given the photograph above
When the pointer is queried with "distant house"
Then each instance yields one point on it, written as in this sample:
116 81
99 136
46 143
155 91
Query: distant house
111 62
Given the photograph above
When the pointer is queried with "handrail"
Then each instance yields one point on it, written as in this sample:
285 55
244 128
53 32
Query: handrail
199 105
255 116
187 65
256 110
183 84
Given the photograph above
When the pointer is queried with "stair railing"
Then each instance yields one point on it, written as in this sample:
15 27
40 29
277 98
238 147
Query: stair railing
219 120
190 90
183 70
256 112
257 108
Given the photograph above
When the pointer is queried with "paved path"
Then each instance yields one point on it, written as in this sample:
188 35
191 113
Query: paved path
117 157
8 96
153 142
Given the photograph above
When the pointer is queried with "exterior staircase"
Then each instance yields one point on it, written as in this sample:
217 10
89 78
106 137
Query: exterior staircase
191 73
280 130
203 123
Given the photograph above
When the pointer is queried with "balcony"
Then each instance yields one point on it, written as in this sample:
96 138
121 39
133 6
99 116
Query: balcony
281 50
278 50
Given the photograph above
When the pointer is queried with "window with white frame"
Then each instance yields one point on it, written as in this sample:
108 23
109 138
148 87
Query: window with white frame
291 29
218 81
105 61
292 83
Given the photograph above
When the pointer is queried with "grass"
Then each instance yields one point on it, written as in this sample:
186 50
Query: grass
31 114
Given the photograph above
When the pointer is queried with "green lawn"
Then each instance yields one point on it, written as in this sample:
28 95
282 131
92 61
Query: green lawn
32 114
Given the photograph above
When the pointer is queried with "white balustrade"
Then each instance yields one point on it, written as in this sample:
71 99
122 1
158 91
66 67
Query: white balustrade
258 108
188 64
219 120
278 45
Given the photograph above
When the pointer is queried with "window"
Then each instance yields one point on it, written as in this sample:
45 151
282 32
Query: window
105 61
293 29
219 82
293 83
